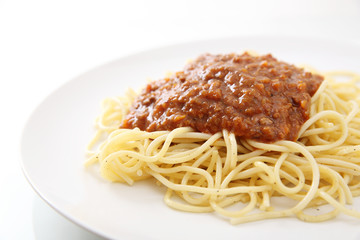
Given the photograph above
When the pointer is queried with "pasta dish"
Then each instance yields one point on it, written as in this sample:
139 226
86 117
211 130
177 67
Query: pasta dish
232 132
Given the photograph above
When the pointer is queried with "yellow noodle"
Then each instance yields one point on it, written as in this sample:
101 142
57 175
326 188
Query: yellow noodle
239 178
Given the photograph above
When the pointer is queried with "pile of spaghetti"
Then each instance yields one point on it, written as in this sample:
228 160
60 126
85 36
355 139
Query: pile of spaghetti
239 178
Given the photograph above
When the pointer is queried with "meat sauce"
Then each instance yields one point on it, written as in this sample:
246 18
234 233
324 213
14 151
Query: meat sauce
255 97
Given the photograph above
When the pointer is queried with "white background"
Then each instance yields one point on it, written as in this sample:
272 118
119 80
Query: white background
46 43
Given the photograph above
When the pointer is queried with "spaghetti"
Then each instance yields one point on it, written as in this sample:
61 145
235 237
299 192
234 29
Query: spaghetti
240 178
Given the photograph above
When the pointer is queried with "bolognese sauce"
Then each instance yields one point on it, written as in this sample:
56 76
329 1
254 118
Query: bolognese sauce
255 97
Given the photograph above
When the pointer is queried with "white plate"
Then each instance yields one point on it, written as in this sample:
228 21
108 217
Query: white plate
56 134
